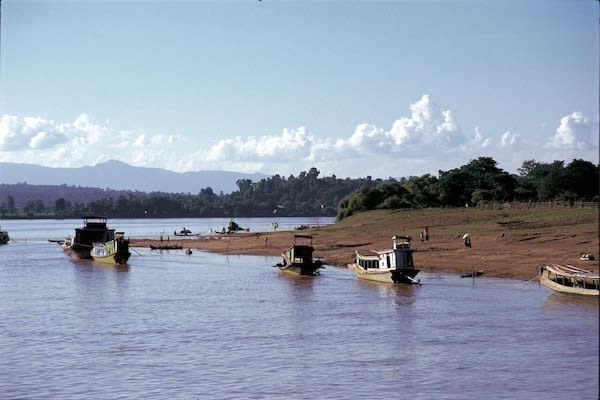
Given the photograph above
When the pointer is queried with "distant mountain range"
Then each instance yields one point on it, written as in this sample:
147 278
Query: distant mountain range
121 176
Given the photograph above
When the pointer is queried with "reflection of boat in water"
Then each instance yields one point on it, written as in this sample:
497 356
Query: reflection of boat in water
115 251
298 259
4 238
567 279
94 230
390 266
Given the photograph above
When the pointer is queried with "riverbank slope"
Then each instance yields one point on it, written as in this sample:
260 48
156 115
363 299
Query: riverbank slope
507 242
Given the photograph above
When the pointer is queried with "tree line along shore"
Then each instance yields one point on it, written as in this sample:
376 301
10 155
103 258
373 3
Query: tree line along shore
508 242
480 182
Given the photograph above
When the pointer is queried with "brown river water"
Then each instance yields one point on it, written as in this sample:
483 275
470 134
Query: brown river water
210 326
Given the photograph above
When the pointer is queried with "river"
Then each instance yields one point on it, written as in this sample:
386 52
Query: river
210 326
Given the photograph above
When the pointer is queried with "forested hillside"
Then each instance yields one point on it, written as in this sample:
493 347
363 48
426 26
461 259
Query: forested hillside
476 183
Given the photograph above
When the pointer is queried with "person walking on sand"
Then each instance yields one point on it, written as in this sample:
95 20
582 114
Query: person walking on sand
467 239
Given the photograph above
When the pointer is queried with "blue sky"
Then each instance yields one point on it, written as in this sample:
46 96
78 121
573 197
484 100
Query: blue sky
354 88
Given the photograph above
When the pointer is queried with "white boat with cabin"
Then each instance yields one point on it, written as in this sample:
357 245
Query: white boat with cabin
389 266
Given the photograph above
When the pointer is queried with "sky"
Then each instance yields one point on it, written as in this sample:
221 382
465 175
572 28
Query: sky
353 88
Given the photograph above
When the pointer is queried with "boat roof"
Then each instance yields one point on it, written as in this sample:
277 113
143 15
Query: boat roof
94 218
367 257
570 270
298 236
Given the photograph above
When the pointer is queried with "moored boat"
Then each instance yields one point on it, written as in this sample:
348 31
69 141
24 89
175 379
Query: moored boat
167 247
4 238
183 232
94 230
115 251
389 266
298 259
66 244
570 280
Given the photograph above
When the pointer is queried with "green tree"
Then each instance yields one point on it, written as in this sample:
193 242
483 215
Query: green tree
581 179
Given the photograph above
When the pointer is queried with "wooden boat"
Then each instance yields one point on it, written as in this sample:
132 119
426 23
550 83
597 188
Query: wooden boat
167 247
298 259
4 238
233 227
115 251
472 274
94 231
66 244
183 232
570 280
390 266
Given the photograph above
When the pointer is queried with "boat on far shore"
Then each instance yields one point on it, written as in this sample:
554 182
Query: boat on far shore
388 266
298 259
570 280
166 247
114 251
184 232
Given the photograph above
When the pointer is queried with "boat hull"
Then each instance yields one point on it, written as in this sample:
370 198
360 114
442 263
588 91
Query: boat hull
312 270
110 260
4 238
568 290
82 251
113 252
385 275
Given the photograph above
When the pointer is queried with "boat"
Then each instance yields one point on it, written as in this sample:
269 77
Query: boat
298 259
94 230
4 238
233 227
115 251
473 274
183 232
570 280
167 247
66 244
389 266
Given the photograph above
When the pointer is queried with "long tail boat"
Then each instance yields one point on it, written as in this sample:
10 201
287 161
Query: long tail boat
570 280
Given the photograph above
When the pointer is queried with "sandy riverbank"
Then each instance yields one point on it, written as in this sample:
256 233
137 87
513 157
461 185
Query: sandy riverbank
508 242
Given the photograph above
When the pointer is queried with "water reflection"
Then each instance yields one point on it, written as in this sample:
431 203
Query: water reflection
556 299
401 295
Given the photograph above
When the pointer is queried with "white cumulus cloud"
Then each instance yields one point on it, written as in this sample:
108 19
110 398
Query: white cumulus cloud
575 132
291 144
426 138
82 142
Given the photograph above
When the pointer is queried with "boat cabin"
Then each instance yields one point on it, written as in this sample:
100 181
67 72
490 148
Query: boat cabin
300 254
400 257
94 230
